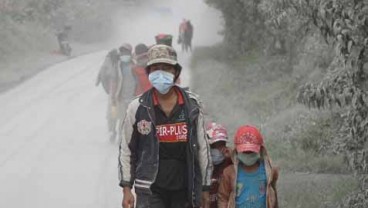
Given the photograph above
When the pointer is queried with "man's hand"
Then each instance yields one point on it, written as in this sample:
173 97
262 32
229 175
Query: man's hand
128 198
205 199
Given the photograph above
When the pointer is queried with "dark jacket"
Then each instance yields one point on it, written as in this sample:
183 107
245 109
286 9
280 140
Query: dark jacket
139 148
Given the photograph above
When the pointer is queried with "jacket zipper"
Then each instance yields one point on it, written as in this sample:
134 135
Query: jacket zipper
193 171
193 166
158 149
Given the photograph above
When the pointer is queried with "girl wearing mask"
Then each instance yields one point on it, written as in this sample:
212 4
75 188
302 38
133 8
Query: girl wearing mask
220 154
251 181
128 81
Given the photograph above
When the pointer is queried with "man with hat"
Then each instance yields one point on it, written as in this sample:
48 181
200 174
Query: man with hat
251 181
164 152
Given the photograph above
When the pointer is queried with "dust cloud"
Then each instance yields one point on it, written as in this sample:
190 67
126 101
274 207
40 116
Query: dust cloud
140 23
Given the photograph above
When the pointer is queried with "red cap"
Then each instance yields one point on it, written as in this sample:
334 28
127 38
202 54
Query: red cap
248 139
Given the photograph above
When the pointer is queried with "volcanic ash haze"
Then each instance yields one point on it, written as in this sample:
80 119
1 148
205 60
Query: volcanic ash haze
54 147
135 24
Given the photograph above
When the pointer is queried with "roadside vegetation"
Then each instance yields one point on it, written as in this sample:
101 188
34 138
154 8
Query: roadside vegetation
255 89
298 70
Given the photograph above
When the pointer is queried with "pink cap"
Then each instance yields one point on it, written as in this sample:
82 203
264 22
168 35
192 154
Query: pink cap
216 132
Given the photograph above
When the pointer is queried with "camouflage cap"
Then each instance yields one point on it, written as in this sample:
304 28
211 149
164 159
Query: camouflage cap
162 54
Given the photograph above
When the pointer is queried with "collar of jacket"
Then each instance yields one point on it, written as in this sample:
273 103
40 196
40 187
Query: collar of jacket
191 102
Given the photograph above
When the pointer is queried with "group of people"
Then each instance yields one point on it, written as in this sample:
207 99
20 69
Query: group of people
167 154
244 176
123 77
173 160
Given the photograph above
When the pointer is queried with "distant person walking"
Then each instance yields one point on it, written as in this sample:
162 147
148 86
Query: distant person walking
189 34
185 35
128 82
114 76
63 40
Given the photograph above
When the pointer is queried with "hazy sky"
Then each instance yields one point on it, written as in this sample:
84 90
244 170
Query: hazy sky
141 26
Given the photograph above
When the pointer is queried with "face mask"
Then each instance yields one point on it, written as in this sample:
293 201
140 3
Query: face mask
217 156
249 159
125 58
161 81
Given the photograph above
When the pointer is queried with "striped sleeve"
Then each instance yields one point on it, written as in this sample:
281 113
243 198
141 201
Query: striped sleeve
127 147
204 154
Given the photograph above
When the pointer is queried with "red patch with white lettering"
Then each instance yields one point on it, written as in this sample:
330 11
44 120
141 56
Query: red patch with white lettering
177 132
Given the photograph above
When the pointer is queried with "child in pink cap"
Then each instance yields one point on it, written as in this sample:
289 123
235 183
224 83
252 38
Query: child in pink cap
220 154
251 180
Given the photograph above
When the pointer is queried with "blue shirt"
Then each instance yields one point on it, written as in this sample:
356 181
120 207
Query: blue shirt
251 188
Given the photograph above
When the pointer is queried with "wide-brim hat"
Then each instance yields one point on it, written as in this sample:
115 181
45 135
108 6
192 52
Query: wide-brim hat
163 54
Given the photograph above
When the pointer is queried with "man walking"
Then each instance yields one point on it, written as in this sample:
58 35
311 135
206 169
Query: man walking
164 152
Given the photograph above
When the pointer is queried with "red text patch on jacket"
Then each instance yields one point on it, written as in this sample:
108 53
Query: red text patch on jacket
177 132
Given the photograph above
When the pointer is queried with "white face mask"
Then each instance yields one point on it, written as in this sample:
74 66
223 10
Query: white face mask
125 58
217 156
162 81
249 159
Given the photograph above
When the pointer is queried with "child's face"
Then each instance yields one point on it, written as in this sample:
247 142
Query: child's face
221 146
248 158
